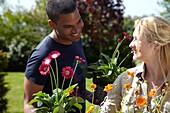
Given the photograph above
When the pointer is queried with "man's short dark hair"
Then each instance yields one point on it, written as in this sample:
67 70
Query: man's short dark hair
55 8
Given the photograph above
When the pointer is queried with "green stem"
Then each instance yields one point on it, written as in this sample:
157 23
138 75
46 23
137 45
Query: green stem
63 83
92 97
73 73
117 47
57 84
51 82
123 60
53 75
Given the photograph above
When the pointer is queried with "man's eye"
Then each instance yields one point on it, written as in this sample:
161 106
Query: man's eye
80 20
67 26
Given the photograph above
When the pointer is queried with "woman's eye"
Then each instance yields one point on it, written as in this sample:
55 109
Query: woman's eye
134 38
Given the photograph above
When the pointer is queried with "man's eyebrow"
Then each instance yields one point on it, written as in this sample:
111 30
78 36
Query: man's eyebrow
67 25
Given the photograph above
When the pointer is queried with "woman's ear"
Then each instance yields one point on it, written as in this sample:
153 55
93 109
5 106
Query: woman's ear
52 24
156 45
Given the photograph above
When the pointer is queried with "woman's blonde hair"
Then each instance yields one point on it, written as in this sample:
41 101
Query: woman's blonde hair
157 30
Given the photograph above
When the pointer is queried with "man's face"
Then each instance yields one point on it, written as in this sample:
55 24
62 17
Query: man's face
69 27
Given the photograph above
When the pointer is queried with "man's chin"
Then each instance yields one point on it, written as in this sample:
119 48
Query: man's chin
76 39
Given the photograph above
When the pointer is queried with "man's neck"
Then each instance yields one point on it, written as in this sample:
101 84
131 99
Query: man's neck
54 35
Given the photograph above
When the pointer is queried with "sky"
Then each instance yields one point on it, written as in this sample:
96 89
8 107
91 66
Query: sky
142 7
133 7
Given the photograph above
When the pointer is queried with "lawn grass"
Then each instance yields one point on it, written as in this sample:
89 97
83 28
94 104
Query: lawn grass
16 93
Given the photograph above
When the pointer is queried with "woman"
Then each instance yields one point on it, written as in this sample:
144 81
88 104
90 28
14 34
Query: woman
144 88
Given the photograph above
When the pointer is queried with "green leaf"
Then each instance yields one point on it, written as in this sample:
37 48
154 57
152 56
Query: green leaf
80 100
58 109
106 57
72 101
79 106
69 88
33 101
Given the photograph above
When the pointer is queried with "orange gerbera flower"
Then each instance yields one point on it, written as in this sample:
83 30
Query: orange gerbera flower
152 92
131 73
127 86
90 109
70 92
92 86
108 88
141 101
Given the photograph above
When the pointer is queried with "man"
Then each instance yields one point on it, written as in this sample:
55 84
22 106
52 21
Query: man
67 25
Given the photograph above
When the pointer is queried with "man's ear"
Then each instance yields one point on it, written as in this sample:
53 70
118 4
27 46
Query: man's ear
52 24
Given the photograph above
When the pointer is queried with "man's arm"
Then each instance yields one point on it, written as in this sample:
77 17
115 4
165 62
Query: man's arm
29 89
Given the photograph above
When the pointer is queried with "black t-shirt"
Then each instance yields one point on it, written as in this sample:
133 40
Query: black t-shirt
67 58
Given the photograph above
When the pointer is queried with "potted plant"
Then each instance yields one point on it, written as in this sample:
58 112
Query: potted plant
106 70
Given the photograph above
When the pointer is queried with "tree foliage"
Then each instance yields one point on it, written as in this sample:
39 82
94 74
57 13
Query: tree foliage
166 5
103 26
20 31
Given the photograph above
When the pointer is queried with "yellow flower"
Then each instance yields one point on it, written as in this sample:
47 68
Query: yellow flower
131 73
108 88
90 109
127 86
152 92
92 86
141 101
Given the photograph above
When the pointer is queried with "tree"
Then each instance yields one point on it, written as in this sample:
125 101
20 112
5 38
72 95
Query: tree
103 26
20 31
166 5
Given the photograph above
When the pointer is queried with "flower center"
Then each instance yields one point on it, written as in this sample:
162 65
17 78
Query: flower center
45 68
67 72
54 56
47 61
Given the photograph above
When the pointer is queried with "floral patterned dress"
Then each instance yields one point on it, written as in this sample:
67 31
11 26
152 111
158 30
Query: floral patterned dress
130 94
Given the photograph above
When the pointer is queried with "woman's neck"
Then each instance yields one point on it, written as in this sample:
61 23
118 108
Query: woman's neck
154 75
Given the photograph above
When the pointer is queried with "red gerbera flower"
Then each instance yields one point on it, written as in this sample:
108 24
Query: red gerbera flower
67 72
79 59
44 69
54 54
47 60
127 36
119 40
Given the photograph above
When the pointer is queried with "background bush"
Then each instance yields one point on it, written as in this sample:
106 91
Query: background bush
3 88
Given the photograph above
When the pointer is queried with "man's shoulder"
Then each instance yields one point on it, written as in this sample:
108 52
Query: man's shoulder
44 43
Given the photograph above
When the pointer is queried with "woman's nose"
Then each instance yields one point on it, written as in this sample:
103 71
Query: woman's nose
131 45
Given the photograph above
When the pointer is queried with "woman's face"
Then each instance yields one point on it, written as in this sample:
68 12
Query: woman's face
141 48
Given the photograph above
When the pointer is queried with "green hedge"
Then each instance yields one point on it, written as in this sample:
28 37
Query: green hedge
3 88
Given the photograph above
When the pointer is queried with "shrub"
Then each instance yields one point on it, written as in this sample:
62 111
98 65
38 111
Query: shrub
3 88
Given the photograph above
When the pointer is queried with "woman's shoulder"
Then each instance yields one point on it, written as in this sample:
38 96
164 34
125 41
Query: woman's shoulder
128 75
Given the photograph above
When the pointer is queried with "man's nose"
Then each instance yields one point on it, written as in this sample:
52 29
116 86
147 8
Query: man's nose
75 29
